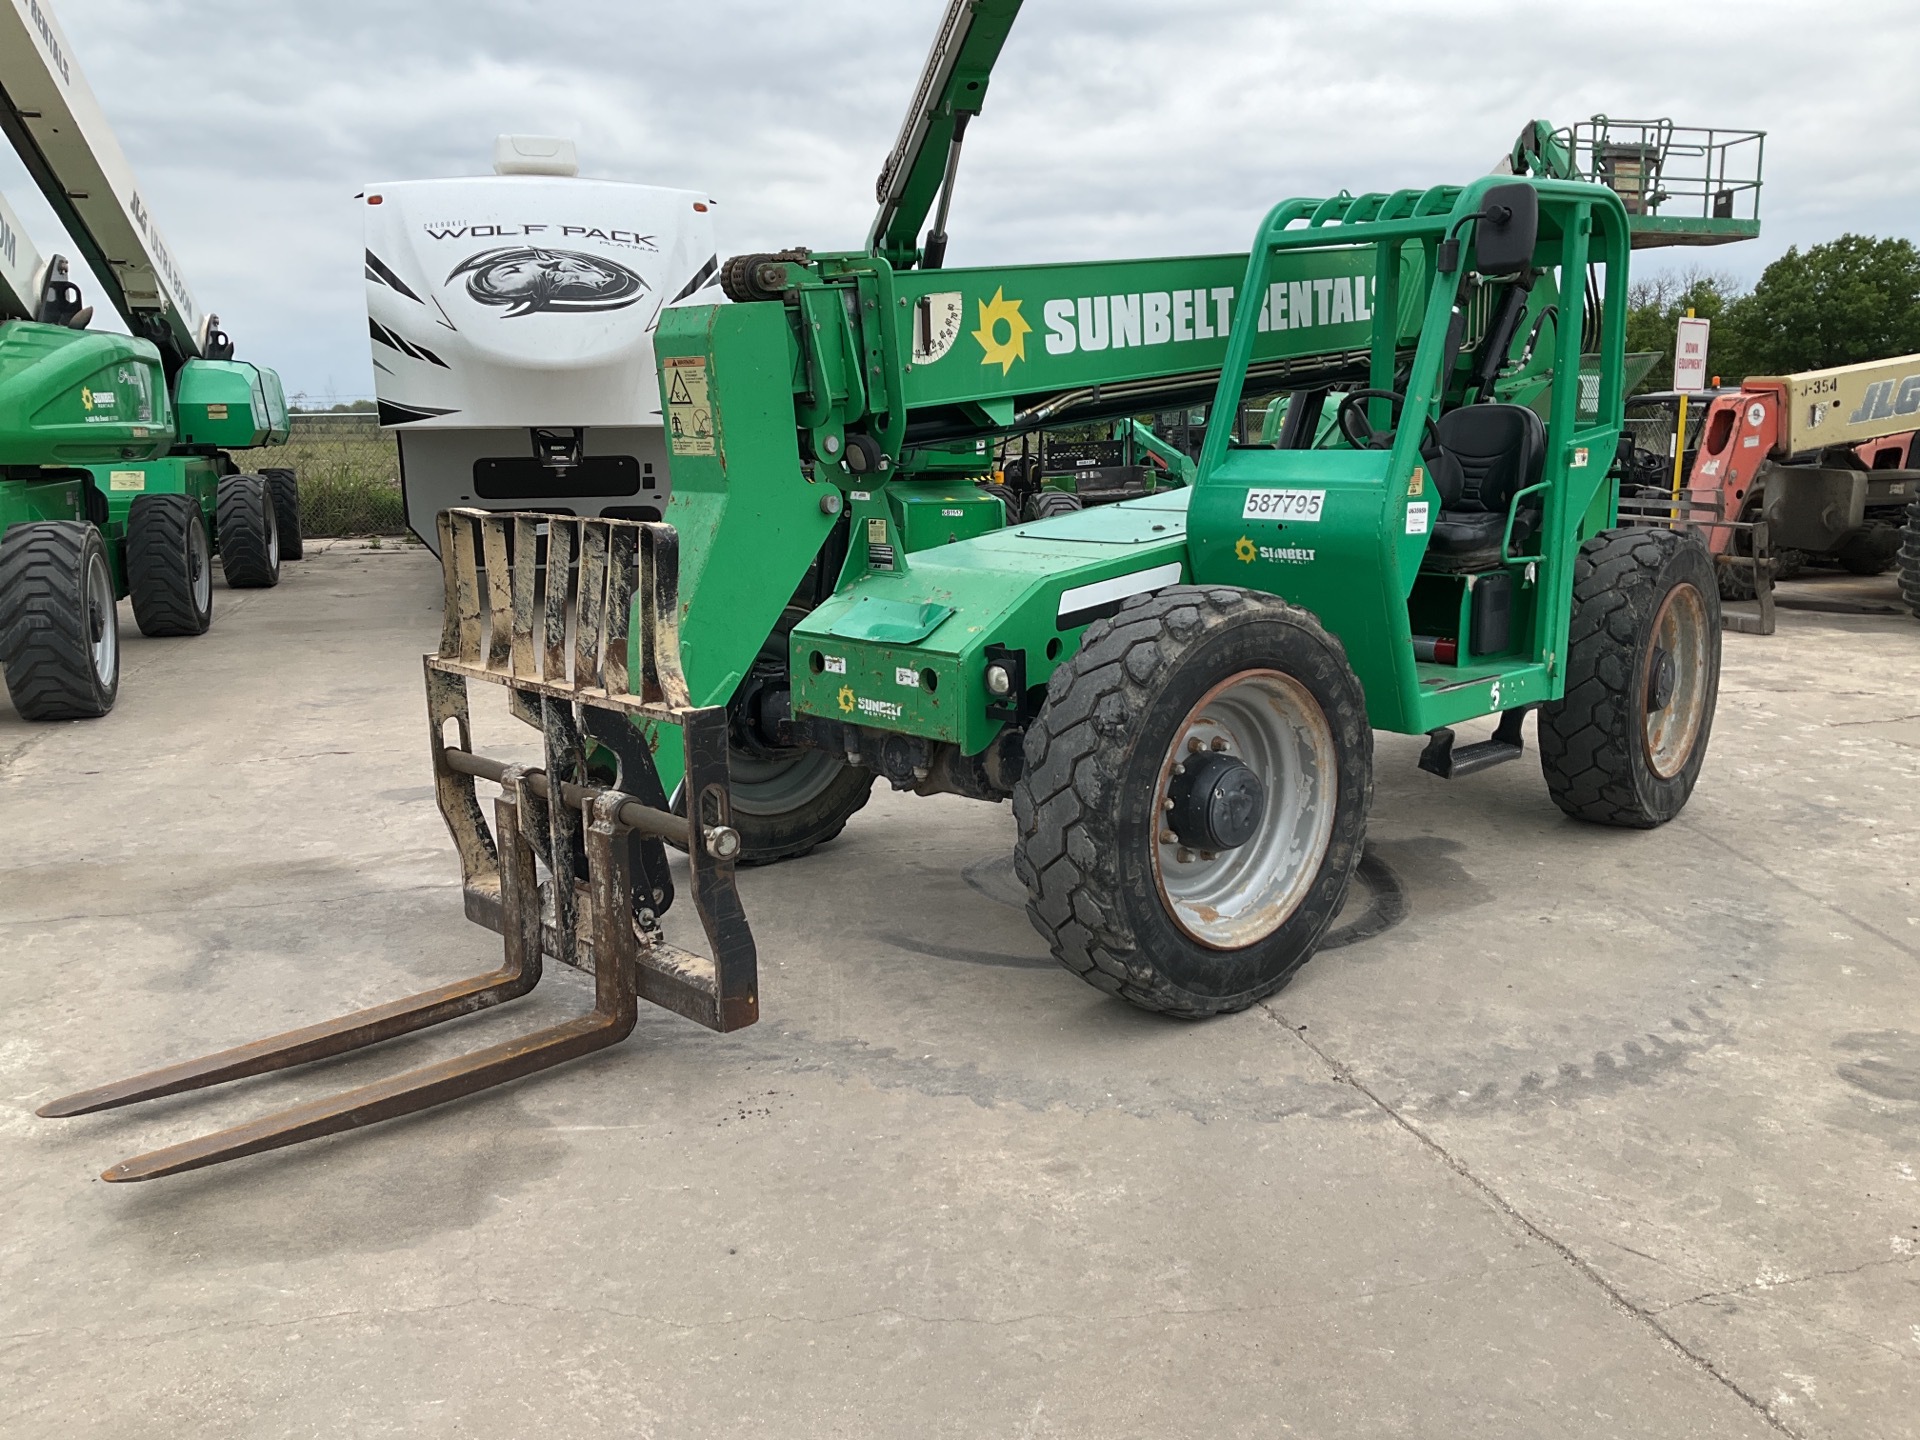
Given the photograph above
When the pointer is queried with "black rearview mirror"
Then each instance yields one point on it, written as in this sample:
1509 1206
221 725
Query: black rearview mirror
1508 230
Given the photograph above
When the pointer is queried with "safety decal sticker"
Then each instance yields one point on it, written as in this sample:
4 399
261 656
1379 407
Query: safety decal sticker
126 480
1417 517
834 664
689 414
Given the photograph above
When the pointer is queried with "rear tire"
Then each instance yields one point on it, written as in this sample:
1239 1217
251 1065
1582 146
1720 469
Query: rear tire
284 487
249 534
169 566
1219 677
1625 745
1046 504
1873 550
1910 557
61 637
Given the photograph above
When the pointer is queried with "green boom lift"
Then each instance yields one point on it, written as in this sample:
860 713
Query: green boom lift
62 563
1177 691
154 480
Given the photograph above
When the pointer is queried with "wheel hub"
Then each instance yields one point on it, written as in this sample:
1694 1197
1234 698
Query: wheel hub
1218 803
1662 676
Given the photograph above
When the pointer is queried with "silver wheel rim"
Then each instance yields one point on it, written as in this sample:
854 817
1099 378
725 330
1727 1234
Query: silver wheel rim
102 621
760 786
1680 629
199 566
1271 723
273 529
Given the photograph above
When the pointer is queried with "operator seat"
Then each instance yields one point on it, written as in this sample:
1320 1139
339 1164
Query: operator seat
1489 453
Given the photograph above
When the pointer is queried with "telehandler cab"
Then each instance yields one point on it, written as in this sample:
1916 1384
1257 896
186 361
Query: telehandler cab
1177 691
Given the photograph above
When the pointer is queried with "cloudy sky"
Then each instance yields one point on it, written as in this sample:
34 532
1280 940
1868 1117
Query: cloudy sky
1114 127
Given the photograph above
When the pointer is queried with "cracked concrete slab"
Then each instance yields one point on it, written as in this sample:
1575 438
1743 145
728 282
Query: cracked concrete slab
1571 1133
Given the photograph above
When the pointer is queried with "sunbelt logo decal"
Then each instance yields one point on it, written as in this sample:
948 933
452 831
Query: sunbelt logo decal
1171 317
1001 317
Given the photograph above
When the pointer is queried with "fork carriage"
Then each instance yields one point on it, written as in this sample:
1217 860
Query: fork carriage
577 619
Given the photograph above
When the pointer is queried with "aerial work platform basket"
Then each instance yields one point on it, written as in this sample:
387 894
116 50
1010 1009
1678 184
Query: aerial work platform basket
1680 184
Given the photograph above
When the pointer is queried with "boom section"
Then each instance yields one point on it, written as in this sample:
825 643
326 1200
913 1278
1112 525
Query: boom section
19 268
922 163
902 366
50 115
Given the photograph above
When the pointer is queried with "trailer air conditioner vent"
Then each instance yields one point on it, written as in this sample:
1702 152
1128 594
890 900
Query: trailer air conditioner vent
534 155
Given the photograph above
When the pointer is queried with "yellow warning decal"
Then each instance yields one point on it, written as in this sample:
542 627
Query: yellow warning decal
689 416
126 479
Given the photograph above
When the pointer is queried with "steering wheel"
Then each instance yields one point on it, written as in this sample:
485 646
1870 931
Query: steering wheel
1354 424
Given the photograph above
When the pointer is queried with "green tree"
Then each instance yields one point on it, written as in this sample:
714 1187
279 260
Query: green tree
1654 310
1852 299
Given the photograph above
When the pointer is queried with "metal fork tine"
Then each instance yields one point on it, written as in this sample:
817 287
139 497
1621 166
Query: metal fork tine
553 637
465 584
516 977
611 1021
499 594
526 546
593 595
622 555
449 572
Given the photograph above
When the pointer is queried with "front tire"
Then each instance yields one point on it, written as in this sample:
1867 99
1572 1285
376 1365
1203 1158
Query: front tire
169 566
1195 799
249 533
1626 743
786 807
59 624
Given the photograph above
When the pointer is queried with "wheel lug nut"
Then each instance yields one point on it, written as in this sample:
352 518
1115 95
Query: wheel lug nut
1219 742
1195 745
1167 837
1183 855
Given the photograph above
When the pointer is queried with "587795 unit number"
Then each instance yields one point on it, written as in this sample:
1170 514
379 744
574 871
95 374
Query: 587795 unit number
1298 505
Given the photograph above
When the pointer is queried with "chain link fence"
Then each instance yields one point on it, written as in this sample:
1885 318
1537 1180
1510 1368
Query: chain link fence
349 471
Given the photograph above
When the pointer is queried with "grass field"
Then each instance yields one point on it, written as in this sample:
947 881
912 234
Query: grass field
349 471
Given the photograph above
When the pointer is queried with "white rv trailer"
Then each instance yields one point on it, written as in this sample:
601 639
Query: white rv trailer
512 319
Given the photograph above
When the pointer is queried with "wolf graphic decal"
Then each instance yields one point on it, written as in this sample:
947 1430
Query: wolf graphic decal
526 279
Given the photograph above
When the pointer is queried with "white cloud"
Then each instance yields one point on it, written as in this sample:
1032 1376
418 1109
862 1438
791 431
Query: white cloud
1116 128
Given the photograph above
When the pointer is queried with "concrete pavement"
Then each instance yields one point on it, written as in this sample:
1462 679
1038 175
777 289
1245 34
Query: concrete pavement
1573 1133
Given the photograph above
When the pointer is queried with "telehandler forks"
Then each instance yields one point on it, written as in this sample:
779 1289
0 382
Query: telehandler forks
515 616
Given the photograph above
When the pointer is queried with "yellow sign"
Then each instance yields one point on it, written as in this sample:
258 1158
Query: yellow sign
993 314
689 415
126 480
1419 481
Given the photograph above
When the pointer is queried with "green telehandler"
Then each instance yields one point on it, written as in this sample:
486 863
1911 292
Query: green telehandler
153 480
1177 691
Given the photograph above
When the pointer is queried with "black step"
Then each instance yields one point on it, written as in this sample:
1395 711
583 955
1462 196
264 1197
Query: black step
1442 759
